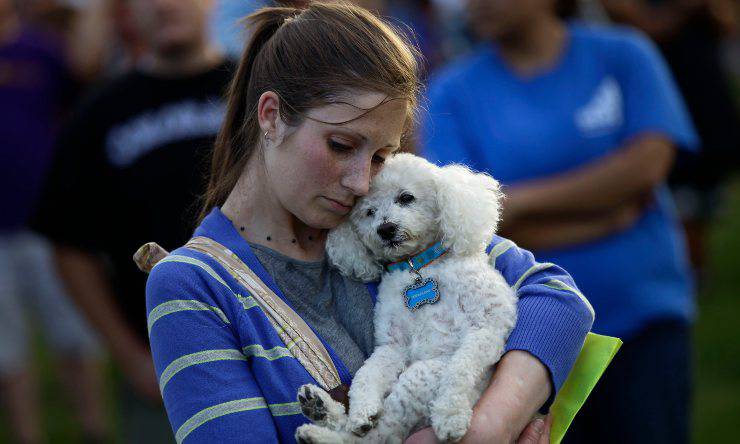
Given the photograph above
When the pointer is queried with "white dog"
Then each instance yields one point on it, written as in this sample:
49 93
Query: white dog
442 317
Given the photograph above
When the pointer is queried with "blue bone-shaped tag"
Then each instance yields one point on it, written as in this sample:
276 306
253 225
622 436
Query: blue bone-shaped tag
421 292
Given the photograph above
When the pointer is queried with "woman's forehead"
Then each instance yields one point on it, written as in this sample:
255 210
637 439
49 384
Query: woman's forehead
360 107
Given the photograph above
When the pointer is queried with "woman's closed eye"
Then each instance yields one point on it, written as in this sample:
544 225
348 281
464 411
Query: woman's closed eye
339 147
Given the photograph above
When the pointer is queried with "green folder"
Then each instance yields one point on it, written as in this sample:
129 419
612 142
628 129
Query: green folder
595 356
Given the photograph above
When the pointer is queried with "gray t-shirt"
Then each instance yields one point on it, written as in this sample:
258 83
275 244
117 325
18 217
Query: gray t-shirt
339 309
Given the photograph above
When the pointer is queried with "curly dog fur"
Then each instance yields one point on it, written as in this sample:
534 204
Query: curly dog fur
430 365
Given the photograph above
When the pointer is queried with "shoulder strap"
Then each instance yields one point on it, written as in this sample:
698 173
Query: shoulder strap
298 337
292 329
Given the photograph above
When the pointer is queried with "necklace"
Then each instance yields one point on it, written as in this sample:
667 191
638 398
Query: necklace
269 238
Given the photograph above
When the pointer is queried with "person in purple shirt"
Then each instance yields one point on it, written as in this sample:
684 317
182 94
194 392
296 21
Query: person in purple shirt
34 89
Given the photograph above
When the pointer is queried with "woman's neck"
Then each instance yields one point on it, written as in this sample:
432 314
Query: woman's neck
260 218
534 47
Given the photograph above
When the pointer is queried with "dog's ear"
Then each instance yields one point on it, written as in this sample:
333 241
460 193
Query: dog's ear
350 255
469 208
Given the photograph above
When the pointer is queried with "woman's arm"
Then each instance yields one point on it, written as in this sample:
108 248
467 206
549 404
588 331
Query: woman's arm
518 388
554 318
209 392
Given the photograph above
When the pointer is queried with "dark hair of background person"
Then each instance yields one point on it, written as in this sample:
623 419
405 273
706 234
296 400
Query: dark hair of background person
309 57
566 9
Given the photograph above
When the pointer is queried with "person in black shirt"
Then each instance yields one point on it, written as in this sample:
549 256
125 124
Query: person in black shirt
130 168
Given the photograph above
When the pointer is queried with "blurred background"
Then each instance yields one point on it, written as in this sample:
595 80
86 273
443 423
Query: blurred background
108 109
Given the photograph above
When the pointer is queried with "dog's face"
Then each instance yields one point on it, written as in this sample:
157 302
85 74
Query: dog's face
398 217
411 205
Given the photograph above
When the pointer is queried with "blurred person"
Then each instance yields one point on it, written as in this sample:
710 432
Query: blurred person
582 124
129 169
690 34
98 37
35 87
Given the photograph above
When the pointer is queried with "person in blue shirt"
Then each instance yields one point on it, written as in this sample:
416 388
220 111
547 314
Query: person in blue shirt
581 125
322 96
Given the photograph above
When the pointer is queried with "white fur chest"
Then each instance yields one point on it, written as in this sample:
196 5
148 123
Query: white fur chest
471 294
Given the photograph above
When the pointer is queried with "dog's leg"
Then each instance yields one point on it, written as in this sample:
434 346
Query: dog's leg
370 385
460 385
408 403
314 434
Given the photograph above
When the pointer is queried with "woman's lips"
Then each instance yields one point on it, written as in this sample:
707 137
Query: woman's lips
338 206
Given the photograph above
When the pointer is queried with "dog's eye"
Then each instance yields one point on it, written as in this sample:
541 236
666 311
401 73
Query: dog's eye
369 212
405 198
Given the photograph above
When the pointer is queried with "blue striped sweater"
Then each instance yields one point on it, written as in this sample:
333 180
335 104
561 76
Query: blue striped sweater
225 374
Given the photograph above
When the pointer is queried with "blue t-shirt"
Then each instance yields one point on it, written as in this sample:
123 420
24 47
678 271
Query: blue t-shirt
609 85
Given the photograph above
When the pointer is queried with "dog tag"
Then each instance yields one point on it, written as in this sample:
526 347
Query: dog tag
422 291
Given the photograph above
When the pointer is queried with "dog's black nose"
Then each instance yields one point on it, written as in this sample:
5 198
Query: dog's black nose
387 231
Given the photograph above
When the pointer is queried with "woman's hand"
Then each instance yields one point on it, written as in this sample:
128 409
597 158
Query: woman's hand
537 432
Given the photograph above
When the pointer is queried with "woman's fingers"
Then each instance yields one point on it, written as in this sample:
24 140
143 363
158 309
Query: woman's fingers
423 436
536 432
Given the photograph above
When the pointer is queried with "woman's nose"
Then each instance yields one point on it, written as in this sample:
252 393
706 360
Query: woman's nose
357 179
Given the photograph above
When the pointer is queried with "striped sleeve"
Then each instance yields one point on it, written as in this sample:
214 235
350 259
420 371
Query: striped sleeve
554 317
208 389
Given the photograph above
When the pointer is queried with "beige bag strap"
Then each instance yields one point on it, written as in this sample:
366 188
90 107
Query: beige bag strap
298 337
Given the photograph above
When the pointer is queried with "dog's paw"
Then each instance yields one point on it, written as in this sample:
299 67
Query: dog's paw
451 427
312 403
313 434
318 406
363 419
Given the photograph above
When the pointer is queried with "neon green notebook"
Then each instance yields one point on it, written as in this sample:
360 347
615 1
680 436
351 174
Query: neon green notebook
595 356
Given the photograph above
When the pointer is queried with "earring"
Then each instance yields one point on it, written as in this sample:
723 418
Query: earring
266 133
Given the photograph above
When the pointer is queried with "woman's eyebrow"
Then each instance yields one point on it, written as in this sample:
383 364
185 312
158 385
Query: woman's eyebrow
363 138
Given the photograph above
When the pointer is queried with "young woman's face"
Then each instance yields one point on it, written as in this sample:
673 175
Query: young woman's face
319 169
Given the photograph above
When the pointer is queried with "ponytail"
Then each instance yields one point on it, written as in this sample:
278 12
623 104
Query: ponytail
238 136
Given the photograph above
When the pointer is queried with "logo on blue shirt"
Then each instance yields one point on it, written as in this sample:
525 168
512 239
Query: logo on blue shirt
603 112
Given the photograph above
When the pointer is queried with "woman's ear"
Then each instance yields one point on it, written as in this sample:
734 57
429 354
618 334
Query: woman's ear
268 111
350 255
469 208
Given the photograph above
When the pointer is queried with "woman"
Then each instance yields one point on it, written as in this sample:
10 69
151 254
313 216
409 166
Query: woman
581 124
322 96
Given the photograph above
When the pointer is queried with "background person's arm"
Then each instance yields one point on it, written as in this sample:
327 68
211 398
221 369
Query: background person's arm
541 233
88 286
624 176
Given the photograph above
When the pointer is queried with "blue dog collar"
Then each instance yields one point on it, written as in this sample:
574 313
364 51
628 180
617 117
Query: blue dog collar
420 260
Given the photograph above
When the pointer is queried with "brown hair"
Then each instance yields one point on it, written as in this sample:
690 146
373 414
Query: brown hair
308 57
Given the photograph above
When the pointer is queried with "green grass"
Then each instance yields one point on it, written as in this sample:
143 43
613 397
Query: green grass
717 355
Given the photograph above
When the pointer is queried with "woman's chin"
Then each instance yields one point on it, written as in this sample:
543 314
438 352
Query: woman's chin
324 221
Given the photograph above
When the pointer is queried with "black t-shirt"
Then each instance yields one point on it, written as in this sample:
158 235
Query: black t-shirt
130 169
